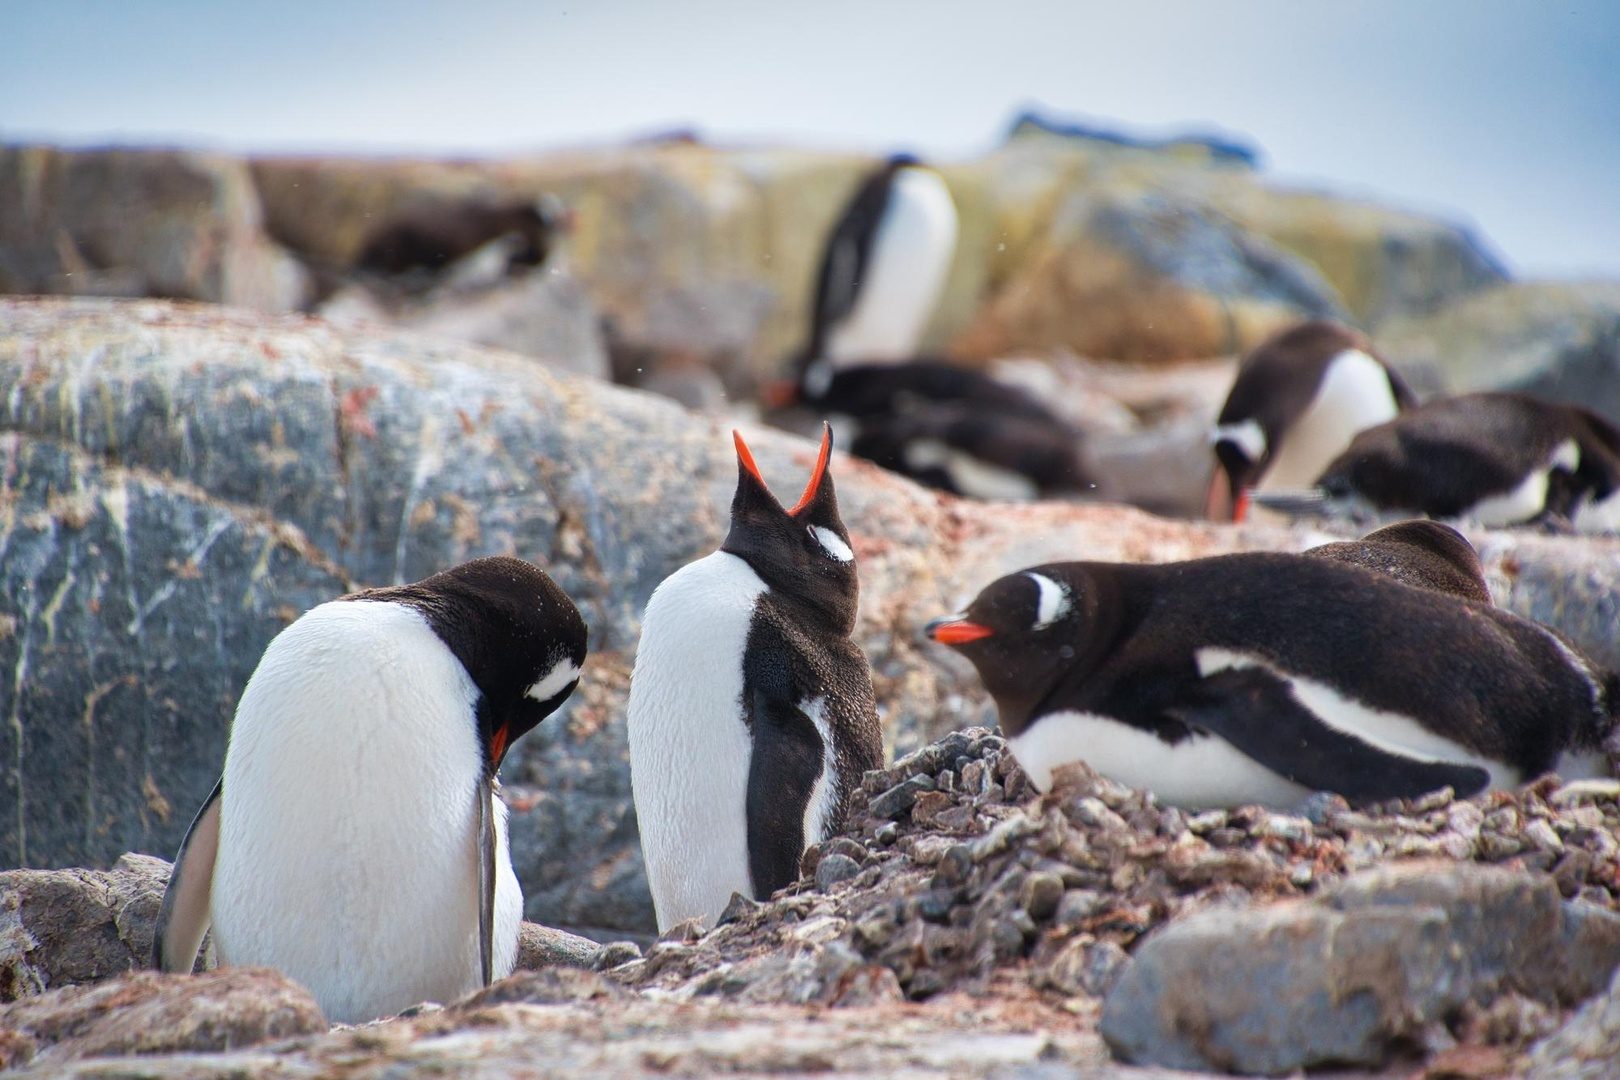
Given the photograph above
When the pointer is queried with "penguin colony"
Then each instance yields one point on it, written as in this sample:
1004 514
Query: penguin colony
356 839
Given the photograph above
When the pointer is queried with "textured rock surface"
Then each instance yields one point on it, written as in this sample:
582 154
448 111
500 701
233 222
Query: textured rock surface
139 223
148 1013
1586 1048
179 482
1346 979
61 927
1556 340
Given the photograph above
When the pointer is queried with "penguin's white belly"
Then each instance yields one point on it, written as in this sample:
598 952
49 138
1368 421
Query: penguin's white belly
1196 773
690 750
1529 497
348 848
905 271
1599 515
1354 395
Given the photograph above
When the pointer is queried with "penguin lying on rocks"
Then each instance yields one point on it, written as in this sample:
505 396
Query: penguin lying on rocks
356 841
1495 458
1298 399
751 716
1263 677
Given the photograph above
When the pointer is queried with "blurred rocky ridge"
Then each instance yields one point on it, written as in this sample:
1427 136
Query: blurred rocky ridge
178 481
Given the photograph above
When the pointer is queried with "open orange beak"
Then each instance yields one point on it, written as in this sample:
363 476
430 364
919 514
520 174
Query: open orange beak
951 630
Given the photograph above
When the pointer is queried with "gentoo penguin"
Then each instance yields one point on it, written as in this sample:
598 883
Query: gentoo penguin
1298 400
882 270
1495 458
1424 554
429 236
751 713
1261 677
355 840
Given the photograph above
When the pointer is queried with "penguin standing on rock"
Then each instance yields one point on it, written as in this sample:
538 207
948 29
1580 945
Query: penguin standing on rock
1263 677
751 716
1298 400
1495 458
356 841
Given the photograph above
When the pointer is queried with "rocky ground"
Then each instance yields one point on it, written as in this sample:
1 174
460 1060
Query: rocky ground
965 926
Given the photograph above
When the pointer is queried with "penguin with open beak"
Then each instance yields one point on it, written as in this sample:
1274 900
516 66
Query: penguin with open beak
751 715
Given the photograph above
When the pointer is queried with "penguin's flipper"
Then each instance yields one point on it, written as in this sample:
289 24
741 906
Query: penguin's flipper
183 918
484 797
1255 711
782 774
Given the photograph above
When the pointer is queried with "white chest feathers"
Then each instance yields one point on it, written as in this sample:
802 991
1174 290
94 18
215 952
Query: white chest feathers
690 750
1354 395
348 846
905 271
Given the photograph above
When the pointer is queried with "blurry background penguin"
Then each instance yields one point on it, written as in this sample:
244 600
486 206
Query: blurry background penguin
950 427
1299 398
1492 459
355 840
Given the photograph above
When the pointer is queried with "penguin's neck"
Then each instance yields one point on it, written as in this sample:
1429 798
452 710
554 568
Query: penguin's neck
1354 394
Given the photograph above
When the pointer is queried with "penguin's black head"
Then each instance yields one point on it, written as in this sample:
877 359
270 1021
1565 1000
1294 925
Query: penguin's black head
802 553
518 635
1025 632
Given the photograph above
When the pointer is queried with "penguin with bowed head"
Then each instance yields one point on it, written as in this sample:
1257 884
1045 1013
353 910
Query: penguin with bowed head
356 840
1259 678
751 715
1298 400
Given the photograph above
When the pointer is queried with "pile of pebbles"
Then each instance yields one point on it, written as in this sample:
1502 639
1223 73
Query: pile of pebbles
959 874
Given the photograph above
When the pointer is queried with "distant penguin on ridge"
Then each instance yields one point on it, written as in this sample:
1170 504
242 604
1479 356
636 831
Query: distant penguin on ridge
1262 677
356 841
1299 398
751 715
1495 458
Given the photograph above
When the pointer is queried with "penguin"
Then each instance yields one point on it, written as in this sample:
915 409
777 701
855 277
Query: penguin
1298 399
1424 554
427 237
1258 678
751 715
355 840
1495 458
882 270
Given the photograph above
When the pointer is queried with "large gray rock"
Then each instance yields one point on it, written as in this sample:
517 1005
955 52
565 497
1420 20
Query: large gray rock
148 1013
1587 1047
1557 340
1342 980
181 481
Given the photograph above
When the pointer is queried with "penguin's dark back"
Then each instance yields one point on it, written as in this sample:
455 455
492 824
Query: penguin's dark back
1500 683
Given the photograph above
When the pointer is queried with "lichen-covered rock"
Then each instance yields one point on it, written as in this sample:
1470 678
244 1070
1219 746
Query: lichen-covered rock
148 1013
1556 340
1349 978
62 927
179 482
139 223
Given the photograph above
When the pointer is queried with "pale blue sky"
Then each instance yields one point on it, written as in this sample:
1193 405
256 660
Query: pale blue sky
1505 113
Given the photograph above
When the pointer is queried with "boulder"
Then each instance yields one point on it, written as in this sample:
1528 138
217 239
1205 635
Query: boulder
148 1013
1586 1048
180 482
139 223
1349 977
1557 340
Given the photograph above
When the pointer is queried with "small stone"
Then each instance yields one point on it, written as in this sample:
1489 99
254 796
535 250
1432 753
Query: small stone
1042 893
1283 827
975 777
1076 906
844 845
684 932
1301 875
1586 791
925 983
1227 837
738 907
1543 835
935 904
1321 807
835 868
928 806
887 833
614 954
900 798
956 864
1206 822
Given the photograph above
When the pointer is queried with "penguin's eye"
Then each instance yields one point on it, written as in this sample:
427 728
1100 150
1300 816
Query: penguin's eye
831 543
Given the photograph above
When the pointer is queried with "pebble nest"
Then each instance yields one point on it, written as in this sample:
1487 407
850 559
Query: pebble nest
958 876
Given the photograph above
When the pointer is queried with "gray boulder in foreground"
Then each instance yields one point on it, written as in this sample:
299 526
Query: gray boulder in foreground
1344 978
181 481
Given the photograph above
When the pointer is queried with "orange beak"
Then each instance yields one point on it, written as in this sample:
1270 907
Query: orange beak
745 457
1219 505
952 631
818 472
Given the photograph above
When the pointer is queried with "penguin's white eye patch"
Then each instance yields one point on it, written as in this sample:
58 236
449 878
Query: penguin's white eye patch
1247 436
832 543
1054 601
563 674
